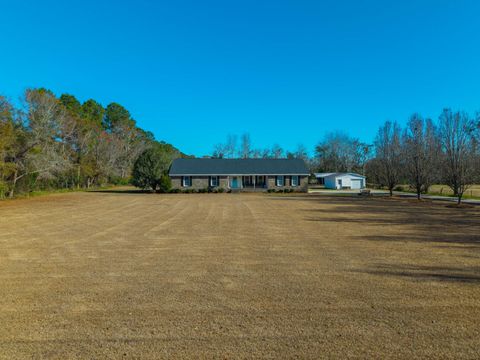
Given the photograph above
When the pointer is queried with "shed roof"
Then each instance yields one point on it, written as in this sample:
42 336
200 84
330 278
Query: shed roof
324 175
238 167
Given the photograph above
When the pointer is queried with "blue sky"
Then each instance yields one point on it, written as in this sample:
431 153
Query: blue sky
286 72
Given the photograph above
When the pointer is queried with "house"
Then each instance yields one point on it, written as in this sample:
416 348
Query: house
239 174
341 180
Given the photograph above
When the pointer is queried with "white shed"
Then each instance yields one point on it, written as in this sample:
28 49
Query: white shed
342 180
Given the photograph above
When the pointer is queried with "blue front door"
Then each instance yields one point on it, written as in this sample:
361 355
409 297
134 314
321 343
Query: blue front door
234 183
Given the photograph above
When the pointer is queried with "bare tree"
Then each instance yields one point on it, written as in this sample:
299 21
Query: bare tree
420 152
219 151
41 149
265 153
245 150
256 153
459 151
340 152
231 146
301 152
277 152
389 154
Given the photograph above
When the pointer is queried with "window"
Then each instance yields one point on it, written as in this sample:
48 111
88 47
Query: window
213 181
187 181
280 180
295 180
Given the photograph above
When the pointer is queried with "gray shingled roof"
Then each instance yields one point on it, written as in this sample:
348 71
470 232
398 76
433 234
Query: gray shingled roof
238 167
323 175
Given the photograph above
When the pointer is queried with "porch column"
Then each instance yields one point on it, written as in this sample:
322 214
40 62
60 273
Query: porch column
254 178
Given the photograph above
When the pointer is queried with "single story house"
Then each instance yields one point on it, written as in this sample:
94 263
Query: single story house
341 180
239 174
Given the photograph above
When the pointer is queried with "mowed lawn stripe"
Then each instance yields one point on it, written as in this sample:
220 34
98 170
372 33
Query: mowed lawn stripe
114 275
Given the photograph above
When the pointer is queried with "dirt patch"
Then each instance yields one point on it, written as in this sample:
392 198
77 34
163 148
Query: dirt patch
128 275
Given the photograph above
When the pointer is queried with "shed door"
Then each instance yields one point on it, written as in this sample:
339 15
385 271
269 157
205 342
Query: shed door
356 183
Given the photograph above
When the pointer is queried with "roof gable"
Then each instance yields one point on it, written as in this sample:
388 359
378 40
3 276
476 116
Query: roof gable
238 167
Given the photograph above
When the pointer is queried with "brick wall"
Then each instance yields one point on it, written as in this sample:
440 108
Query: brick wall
202 182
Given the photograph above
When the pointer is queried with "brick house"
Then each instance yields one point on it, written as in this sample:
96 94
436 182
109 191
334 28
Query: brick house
239 174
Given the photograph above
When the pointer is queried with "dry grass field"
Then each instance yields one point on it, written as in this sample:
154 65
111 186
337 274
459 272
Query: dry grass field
473 191
125 275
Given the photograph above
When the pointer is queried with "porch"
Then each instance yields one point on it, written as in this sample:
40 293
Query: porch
248 182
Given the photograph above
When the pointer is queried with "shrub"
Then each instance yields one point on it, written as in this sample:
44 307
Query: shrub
202 191
165 184
174 191
270 190
220 190
398 188
279 191
117 180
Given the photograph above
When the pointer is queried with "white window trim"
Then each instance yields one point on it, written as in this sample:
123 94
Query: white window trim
296 183
217 181
278 178
184 183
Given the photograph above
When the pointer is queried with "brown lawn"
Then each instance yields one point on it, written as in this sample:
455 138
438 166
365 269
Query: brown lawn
125 275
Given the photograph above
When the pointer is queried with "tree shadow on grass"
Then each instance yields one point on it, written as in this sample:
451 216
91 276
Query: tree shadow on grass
422 221
405 221
427 273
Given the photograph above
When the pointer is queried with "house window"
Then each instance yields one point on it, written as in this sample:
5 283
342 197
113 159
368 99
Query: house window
280 180
214 181
295 180
187 181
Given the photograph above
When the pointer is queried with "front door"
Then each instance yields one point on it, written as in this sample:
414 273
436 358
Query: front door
234 183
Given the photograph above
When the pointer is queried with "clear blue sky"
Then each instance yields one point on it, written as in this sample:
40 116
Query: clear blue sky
284 71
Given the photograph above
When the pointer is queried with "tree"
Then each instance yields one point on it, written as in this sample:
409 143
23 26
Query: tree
93 112
58 142
276 152
420 153
71 104
7 144
229 150
301 153
40 149
245 150
219 151
338 152
151 167
459 151
389 154
117 118
230 146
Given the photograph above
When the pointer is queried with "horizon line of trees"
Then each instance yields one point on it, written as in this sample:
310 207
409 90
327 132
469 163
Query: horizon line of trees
54 142
422 153
232 148
426 152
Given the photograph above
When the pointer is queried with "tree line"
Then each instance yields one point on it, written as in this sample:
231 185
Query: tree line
426 152
51 142
243 149
422 153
